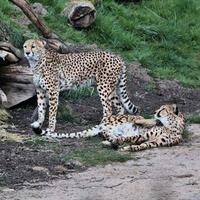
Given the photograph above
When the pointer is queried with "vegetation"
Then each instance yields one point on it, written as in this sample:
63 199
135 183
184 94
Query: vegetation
96 155
65 113
89 154
78 93
193 118
161 34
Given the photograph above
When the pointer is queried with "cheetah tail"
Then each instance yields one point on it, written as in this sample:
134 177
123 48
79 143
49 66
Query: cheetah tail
82 134
128 105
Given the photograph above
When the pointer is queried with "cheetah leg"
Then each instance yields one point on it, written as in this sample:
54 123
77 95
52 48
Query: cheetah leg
117 103
143 146
174 140
42 104
106 103
158 142
53 106
145 122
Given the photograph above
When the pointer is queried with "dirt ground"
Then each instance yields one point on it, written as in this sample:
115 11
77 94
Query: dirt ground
30 170
161 174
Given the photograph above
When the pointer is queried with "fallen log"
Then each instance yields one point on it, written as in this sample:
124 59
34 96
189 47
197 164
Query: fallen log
79 13
9 53
16 84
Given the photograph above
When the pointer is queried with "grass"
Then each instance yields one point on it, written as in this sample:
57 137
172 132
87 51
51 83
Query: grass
4 115
65 113
79 93
90 154
96 155
186 135
193 118
150 87
163 35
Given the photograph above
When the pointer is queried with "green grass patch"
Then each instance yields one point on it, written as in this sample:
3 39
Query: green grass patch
186 135
95 154
90 153
36 141
79 93
65 113
150 86
193 118
162 35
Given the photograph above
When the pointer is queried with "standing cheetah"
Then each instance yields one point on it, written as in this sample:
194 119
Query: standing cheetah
53 72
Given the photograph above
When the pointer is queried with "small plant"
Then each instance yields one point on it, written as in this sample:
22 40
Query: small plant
66 114
4 115
186 134
193 118
78 93
150 86
36 141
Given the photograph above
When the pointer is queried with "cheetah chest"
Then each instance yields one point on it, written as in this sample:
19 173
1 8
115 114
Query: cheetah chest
125 129
38 81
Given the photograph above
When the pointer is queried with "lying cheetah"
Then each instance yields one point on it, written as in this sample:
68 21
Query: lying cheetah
170 133
54 72
118 129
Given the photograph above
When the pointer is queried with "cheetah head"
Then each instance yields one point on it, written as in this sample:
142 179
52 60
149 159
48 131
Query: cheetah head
162 114
33 49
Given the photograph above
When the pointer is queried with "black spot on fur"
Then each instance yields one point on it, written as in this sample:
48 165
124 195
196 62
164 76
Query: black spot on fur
163 140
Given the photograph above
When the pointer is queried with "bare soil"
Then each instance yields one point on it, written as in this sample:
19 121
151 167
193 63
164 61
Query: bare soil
166 173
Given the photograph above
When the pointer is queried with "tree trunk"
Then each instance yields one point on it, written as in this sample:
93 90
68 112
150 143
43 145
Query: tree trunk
28 11
52 39
80 14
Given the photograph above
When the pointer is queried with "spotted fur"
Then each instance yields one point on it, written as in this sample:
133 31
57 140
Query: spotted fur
170 133
140 132
53 72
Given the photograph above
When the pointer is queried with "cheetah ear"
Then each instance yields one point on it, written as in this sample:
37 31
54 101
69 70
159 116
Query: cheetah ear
44 42
176 111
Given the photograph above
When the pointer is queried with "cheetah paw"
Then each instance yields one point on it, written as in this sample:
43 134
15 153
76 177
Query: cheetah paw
35 124
36 127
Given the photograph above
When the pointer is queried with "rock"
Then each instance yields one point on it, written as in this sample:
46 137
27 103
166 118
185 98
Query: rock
39 9
40 169
59 169
138 72
7 190
72 164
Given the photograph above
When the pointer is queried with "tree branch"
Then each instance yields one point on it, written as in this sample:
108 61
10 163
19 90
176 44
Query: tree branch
29 12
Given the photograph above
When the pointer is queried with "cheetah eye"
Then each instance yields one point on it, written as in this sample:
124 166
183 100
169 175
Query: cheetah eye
25 46
33 46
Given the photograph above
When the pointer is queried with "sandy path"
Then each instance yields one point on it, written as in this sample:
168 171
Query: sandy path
160 174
